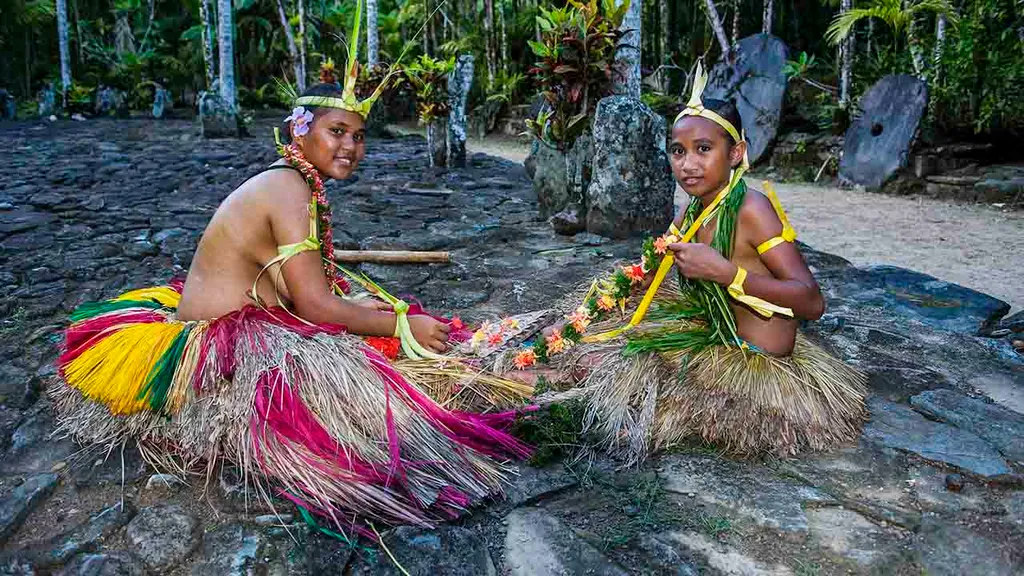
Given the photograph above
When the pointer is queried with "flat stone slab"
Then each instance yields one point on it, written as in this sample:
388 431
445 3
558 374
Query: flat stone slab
237 549
163 536
445 550
897 426
721 557
1001 427
750 490
538 544
946 549
85 537
533 484
916 296
852 536
17 505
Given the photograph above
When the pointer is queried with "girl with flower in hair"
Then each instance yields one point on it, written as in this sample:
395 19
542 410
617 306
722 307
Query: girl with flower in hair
264 358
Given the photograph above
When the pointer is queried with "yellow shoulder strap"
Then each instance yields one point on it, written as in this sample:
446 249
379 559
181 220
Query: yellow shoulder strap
285 253
788 233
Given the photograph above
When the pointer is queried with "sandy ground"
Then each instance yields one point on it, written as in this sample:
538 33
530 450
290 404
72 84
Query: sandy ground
978 246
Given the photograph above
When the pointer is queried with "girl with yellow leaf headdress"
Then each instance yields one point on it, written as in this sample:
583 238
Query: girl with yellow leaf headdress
714 352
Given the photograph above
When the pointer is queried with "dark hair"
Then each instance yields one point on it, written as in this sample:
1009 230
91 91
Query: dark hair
314 90
726 109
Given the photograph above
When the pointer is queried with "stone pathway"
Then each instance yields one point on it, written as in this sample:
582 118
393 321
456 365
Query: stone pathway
88 209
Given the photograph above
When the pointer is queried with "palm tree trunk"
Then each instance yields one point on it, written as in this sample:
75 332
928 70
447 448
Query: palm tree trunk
766 23
226 48
62 40
716 24
628 54
206 16
871 35
302 43
735 21
663 50
293 49
940 39
78 33
504 37
916 53
489 38
372 42
845 60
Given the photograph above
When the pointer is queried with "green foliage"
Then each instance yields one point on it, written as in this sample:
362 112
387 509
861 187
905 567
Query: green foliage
976 86
642 508
715 526
896 14
429 79
554 431
576 66
799 68
506 87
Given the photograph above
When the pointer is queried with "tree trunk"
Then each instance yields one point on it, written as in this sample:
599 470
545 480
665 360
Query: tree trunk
871 35
372 43
916 53
226 48
28 63
504 37
845 60
766 23
78 33
489 39
716 24
735 21
65 57
124 40
628 54
302 43
940 39
663 50
206 18
293 49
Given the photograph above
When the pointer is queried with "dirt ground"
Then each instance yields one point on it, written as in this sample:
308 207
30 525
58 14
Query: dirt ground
978 246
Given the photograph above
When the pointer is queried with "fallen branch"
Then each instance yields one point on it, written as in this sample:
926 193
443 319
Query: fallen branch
392 257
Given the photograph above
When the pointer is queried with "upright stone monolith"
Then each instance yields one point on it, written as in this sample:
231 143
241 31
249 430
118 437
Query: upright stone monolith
8 106
878 144
631 190
460 81
437 138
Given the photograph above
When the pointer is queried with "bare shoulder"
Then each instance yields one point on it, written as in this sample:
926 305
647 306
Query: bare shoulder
279 188
758 215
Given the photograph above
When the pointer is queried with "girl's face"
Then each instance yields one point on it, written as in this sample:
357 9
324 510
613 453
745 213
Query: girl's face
335 142
702 154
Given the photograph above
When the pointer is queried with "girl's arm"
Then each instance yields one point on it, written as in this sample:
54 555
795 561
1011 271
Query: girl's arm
791 285
311 296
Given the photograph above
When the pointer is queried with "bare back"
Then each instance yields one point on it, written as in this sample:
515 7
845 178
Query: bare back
237 244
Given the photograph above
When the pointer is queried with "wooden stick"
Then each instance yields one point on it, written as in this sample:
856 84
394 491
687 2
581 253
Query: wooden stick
392 257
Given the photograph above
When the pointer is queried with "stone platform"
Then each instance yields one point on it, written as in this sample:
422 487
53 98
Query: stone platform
88 209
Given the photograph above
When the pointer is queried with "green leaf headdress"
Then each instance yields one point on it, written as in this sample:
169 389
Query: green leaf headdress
348 100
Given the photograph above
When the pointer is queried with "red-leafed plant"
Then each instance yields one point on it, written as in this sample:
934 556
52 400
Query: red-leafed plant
576 67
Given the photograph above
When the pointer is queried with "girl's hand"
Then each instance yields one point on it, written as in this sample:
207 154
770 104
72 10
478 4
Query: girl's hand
432 334
372 304
702 262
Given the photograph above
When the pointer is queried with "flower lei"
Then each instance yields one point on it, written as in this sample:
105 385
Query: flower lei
325 235
605 296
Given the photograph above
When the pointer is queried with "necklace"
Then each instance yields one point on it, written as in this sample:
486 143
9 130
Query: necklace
325 235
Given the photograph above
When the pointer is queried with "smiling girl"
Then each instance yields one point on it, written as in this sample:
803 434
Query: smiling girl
261 359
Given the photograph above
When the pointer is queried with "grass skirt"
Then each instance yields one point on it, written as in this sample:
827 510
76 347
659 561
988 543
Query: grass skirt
309 411
743 401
